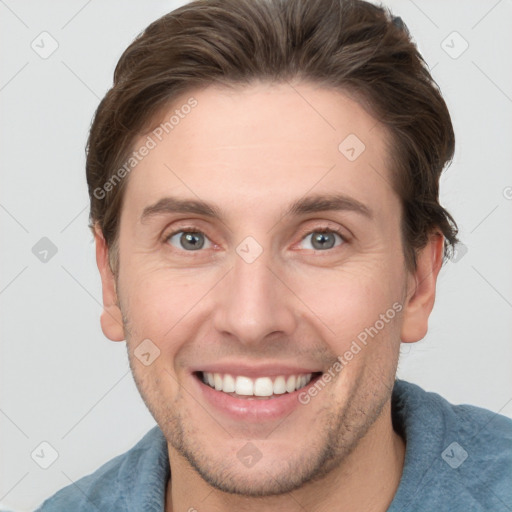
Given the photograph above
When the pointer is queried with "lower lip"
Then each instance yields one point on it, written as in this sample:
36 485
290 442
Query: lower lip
256 410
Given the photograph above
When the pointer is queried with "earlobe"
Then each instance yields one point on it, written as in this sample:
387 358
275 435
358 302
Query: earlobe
421 290
111 317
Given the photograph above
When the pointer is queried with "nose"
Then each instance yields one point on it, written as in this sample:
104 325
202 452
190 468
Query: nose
253 302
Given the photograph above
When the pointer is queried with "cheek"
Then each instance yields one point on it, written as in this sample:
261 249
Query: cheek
350 302
159 302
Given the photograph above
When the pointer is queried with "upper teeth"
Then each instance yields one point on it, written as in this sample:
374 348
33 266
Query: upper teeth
262 386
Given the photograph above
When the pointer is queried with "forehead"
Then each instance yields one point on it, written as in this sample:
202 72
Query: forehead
260 146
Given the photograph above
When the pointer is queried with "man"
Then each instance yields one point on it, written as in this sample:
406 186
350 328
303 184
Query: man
264 183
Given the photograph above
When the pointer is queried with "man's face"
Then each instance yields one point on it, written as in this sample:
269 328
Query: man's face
260 291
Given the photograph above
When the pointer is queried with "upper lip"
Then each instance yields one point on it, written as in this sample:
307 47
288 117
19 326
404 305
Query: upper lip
254 371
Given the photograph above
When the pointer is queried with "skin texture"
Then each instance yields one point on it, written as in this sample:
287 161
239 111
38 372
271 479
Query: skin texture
252 151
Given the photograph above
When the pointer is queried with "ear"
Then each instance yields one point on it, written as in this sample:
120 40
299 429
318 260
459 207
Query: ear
111 318
421 290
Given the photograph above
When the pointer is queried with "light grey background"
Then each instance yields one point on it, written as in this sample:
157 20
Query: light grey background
61 381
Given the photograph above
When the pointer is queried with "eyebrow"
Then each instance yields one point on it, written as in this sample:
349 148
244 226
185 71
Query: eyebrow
175 205
329 202
310 204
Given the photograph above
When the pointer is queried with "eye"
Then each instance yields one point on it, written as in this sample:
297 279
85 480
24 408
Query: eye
323 238
188 239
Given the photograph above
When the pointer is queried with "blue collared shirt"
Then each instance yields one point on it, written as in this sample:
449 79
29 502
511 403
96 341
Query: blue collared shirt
458 458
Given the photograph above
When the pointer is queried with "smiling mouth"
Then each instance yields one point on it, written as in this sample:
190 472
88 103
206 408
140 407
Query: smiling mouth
261 388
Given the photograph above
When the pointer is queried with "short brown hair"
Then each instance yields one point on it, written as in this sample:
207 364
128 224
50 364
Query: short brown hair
349 45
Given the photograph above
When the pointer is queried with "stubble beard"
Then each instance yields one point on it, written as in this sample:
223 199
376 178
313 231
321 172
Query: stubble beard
340 431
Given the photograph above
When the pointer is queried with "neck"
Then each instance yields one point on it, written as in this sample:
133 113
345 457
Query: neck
366 480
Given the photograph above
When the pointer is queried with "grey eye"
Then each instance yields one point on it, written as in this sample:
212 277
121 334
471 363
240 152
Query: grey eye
322 240
188 240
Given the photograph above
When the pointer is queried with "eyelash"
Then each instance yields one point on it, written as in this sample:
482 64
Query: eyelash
322 229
